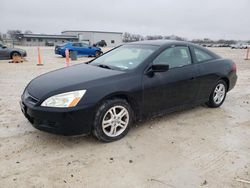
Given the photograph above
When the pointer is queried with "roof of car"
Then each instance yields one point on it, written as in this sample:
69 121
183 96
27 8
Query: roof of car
159 42
172 42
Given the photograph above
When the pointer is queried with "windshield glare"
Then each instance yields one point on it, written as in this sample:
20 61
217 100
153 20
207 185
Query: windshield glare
126 57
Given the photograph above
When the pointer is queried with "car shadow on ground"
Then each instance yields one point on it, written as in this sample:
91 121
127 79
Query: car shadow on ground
163 117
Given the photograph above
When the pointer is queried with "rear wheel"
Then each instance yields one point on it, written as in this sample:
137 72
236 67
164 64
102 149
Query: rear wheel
113 120
218 94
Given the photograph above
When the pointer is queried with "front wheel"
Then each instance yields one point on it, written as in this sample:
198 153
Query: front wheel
113 120
98 53
218 95
15 54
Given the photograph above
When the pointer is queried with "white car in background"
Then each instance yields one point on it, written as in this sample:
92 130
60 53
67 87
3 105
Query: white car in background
240 46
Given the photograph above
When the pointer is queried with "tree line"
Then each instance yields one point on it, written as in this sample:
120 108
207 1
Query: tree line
129 37
14 34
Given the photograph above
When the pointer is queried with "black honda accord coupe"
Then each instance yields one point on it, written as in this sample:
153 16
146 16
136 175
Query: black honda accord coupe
127 84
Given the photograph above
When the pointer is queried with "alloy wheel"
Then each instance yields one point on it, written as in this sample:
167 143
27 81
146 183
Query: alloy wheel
115 121
219 93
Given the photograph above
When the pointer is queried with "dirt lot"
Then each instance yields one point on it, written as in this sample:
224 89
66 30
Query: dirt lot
200 147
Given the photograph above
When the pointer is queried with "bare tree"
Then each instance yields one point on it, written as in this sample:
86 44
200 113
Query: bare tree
174 37
28 32
1 38
209 41
229 42
154 37
128 37
14 34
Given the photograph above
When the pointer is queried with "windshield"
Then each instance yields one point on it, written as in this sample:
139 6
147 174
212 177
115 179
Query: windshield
126 57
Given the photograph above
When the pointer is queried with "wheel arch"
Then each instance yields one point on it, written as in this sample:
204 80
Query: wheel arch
98 51
227 81
12 52
125 96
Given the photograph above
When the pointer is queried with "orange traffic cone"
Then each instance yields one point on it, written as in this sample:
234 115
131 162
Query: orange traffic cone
247 54
67 57
39 58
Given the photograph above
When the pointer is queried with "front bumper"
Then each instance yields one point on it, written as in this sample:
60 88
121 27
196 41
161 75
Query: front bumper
60 52
66 122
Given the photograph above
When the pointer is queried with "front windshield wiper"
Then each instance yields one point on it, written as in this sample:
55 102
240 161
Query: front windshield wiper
104 66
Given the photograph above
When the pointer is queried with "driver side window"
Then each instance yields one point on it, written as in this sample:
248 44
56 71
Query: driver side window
76 44
174 57
84 45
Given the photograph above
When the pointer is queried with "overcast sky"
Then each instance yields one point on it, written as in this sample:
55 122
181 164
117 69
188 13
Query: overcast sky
215 19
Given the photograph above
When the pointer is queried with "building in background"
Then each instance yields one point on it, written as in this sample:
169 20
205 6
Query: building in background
91 37
44 40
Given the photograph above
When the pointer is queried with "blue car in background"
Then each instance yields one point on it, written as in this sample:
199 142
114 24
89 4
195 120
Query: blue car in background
80 48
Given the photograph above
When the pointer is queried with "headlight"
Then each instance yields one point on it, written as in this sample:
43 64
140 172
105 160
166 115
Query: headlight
64 100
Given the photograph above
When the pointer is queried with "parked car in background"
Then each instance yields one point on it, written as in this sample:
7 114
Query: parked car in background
80 48
49 43
224 45
206 45
8 53
239 46
101 43
245 46
129 83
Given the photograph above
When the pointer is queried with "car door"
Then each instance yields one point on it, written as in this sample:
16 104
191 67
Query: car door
1 52
86 49
206 76
175 87
77 47
4 52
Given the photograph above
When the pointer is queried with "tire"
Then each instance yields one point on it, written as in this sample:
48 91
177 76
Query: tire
14 54
218 95
98 53
108 125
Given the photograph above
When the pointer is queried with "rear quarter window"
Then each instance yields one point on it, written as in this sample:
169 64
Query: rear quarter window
202 55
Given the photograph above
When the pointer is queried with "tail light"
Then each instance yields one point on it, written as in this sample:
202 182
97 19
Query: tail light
234 67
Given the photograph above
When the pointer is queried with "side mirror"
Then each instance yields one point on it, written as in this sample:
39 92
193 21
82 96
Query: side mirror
160 68
4 47
157 68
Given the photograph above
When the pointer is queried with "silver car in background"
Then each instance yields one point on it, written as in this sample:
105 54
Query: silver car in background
240 46
8 53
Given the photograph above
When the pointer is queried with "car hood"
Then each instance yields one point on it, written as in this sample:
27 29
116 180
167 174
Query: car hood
21 51
72 78
17 49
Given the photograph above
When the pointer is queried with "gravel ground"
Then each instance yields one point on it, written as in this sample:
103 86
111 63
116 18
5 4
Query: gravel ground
199 147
